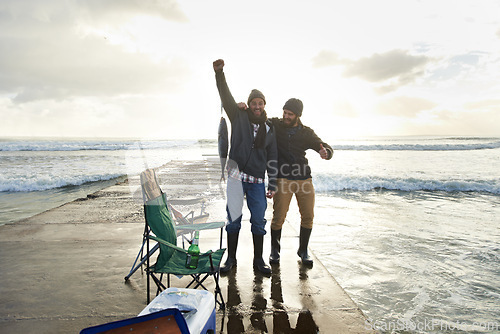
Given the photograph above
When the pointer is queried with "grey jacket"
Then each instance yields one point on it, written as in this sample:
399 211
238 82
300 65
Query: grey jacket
253 161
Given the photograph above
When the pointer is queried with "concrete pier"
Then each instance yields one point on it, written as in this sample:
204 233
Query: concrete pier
63 270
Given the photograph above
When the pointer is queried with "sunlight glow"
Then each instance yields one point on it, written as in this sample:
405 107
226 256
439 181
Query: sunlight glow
358 67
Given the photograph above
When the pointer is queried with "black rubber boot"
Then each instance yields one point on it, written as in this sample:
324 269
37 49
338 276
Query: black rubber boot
258 261
305 234
274 258
232 245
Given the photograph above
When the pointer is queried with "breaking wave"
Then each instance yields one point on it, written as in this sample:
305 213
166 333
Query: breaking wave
446 144
420 147
46 182
89 145
325 183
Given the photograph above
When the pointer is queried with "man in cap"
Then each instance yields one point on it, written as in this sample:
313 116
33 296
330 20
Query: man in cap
294 176
253 151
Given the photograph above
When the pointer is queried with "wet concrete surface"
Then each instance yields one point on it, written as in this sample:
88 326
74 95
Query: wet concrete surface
63 270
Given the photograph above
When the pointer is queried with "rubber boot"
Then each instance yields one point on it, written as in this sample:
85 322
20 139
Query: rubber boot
274 258
258 261
305 234
232 245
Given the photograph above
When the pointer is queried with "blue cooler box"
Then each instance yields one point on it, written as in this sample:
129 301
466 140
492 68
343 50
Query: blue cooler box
197 307
165 321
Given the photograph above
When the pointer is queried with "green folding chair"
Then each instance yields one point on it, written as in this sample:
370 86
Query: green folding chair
171 260
151 189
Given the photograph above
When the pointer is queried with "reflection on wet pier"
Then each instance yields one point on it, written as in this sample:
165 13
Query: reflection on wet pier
262 307
294 299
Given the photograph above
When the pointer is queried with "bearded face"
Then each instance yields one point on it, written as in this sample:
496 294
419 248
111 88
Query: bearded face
289 118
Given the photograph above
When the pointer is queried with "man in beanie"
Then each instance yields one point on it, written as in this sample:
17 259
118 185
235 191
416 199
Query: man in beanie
294 176
253 151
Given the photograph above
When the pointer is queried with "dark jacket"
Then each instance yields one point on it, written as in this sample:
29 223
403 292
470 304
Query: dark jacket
292 161
253 161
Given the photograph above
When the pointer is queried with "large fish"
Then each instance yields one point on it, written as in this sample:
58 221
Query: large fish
223 145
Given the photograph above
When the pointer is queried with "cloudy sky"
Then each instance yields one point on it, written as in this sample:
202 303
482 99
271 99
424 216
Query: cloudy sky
143 68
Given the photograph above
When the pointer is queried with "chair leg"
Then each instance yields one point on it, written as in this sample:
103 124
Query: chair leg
143 258
218 292
199 282
159 285
148 287
148 273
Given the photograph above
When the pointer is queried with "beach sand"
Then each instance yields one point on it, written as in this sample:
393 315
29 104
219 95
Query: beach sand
63 270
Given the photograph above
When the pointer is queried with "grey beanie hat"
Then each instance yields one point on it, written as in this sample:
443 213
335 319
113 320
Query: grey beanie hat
254 94
295 106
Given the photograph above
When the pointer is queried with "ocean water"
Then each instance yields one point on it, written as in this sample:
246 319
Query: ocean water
409 226
37 175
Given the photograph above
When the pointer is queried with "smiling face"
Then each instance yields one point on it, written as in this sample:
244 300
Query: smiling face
257 106
289 118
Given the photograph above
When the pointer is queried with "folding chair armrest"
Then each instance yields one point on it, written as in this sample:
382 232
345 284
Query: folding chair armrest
187 201
166 243
200 227
180 249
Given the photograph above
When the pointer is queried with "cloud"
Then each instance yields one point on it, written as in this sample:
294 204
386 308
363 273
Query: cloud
392 69
479 118
484 106
469 123
327 58
392 64
60 68
44 56
53 11
166 9
344 109
404 106
460 65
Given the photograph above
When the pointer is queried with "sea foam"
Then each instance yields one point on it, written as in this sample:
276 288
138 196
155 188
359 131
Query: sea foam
325 183
88 145
420 147
46 182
